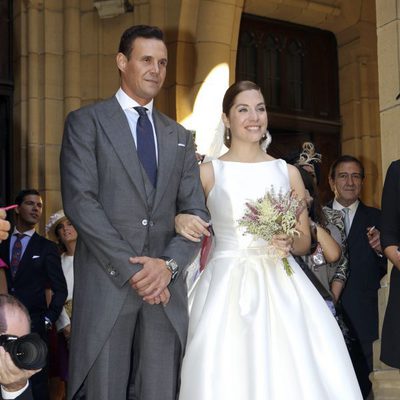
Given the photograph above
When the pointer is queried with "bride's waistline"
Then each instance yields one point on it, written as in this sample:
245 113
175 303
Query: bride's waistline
247 252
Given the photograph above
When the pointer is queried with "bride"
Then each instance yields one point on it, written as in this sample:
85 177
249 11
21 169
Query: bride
256 333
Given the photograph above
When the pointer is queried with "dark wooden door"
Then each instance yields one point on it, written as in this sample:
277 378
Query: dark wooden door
6 96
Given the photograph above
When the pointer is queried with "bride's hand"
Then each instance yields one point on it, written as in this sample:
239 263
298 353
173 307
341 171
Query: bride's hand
283 244
191 227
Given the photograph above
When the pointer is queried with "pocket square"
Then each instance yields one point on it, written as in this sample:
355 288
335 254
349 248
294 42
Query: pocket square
33 257
181 144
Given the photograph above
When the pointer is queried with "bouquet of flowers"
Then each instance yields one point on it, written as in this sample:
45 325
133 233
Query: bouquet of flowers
273 214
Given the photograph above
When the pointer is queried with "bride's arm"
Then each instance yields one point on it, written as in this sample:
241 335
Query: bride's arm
190 226
301 244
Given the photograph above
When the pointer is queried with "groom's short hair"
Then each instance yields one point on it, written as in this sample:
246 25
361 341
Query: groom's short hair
138 31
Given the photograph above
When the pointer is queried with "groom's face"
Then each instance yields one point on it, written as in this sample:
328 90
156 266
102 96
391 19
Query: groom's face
143 74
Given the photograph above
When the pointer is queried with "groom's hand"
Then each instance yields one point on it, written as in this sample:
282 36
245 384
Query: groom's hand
152 280
163 298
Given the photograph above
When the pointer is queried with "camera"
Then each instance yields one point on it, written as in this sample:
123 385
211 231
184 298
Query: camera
27 352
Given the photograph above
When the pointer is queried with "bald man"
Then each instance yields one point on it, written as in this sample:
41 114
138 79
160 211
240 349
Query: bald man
14 320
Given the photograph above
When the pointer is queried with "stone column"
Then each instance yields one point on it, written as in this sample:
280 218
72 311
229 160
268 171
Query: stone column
386 380
72 57
34 33
38 106
209 39
388 24
52 103
359 100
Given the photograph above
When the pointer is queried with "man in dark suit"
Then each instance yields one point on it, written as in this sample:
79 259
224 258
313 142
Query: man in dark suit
366 263
126 170
14 320
35 265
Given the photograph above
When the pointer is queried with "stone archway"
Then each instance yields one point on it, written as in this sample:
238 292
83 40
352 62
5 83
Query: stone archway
353 23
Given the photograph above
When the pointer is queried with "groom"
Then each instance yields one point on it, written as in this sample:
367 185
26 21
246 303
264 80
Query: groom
126 171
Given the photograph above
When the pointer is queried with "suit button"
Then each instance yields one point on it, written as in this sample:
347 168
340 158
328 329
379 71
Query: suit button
112 273
151 223
144 222
12 289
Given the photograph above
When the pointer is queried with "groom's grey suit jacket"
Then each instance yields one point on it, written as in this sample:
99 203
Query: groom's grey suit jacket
104 196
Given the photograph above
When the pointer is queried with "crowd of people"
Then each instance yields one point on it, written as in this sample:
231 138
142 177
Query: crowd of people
107 289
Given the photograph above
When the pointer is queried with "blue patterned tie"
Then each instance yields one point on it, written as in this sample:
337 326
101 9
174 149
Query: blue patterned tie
145 144
16 254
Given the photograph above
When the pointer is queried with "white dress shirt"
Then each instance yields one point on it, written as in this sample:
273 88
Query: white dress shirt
13 395
132 115
352 209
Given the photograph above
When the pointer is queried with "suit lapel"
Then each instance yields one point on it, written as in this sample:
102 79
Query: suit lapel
167 139
116 127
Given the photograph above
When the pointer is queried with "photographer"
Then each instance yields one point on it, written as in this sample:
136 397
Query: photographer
14 320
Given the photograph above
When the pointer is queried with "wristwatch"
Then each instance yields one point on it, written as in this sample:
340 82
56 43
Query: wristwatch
172 267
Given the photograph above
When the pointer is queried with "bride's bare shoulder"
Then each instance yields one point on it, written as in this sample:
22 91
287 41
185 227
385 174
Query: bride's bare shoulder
269 158
206 167
293 171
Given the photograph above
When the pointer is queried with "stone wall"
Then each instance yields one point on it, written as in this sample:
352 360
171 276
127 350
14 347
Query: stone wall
64 58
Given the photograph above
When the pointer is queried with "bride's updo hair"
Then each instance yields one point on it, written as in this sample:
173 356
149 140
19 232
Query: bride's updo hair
229 99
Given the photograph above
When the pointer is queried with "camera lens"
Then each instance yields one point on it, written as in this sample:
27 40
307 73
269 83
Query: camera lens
28 352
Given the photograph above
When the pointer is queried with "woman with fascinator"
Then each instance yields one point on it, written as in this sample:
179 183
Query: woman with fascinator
332 273
60 229
255 331
310 161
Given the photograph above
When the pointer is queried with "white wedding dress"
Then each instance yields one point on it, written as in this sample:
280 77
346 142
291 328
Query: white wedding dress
256 333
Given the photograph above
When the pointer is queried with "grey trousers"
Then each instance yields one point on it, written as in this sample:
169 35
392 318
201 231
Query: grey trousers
139 361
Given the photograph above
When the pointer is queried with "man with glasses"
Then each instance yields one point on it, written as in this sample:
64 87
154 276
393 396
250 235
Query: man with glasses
366 263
